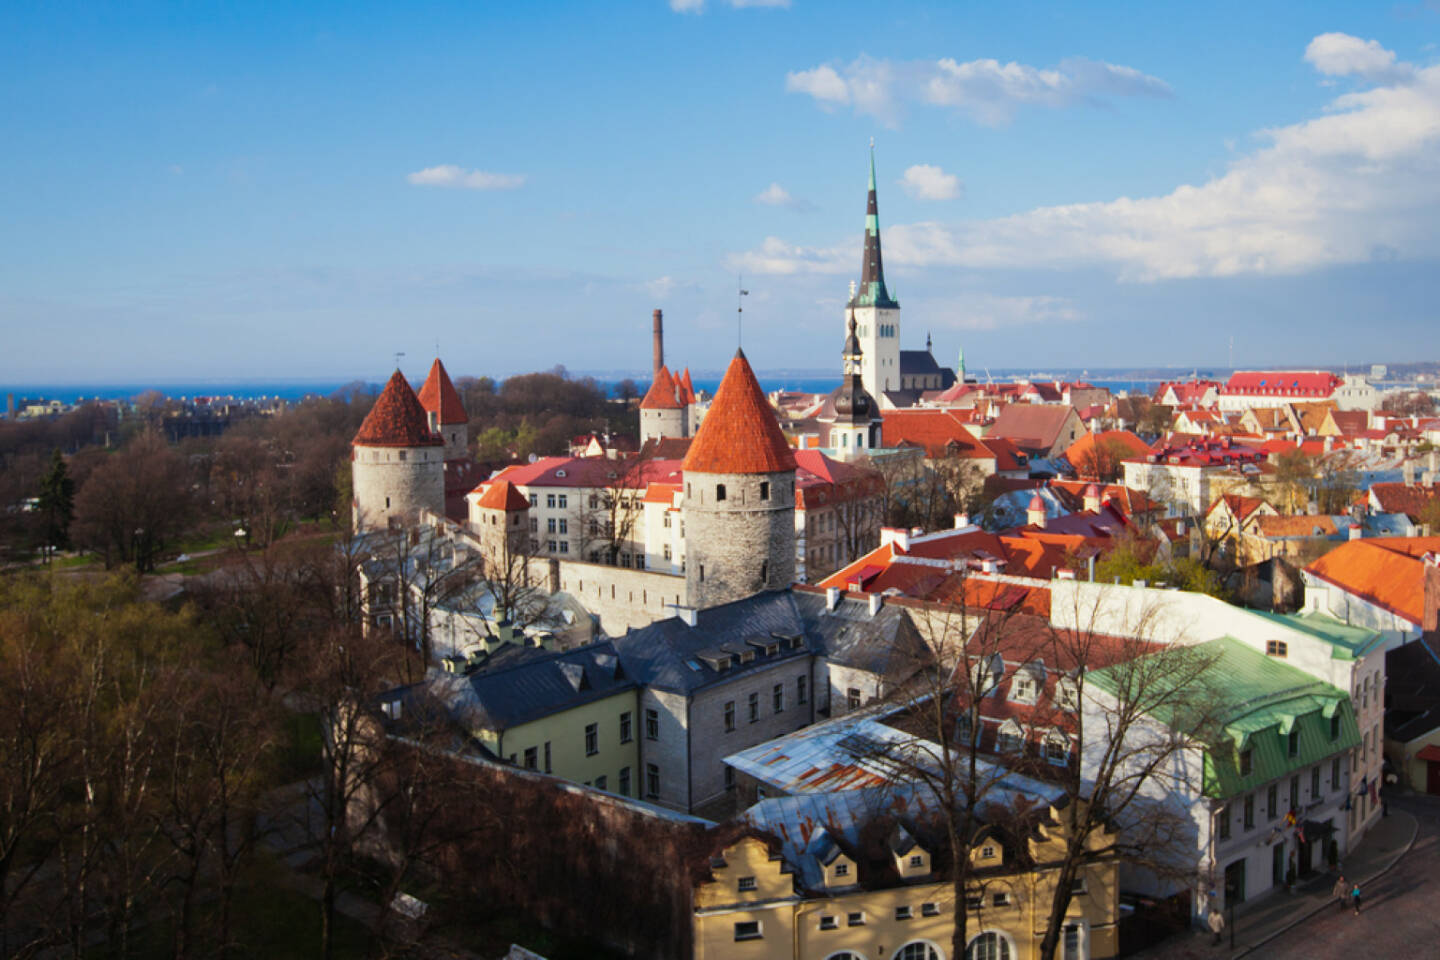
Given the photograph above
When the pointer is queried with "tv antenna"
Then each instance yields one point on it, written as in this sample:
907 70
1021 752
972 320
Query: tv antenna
398 355
740 292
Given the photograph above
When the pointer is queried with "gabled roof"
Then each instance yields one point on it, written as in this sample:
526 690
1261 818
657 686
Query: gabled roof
1313 383
663 394
1409 499
502 495
740 433
941 432
1386 571
439 396
1036 423
536 688
397 419
1082 452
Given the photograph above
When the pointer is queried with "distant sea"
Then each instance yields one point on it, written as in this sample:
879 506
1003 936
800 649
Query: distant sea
295 390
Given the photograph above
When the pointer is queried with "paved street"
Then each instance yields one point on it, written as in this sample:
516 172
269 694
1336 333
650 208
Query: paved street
1401 914
1400 919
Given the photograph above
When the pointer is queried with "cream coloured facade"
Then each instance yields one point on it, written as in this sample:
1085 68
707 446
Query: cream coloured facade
754 906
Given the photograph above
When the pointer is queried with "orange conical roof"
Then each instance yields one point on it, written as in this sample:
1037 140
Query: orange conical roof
503 495
739 433
661 395
439 396
687 389
397 419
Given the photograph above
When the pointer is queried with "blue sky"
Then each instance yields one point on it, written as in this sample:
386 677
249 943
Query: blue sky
299 191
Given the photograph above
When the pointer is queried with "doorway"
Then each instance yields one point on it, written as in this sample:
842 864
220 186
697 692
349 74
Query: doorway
1277 864
1235 882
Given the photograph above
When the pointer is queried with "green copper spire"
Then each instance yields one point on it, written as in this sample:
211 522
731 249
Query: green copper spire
872 291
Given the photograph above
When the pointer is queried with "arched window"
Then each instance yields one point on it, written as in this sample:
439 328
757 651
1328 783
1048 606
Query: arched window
989 946
920 950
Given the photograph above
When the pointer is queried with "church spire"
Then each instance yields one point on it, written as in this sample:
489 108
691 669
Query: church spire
872 270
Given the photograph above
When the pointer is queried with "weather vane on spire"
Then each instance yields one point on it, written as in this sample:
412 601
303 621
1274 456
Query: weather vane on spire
740 309
398 355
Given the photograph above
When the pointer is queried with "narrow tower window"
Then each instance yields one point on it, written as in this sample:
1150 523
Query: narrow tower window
764 571
719 491
764 489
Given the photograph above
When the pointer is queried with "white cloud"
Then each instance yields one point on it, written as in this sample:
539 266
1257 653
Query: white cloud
778 257
449 175
687 6
777 196
741 4
1359 183
1341 55
661 288
925 182
986 89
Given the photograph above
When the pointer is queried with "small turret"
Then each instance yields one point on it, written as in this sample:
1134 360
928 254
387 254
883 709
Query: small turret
662 412
444 411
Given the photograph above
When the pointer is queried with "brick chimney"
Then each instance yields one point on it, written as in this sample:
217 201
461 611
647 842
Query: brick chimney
657 346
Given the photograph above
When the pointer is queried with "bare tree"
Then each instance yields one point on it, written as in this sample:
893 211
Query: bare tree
608 515
133 505
1140 707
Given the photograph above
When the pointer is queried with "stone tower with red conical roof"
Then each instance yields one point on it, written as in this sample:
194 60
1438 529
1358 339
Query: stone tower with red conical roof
739 496
445 413
663 413
397 464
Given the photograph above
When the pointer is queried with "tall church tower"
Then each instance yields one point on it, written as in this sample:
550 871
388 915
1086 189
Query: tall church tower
739 496
876 313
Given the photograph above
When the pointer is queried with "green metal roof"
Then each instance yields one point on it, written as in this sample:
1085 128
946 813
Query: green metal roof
1346 642
1264 699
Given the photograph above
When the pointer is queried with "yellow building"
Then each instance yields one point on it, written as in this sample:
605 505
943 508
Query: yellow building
572 714
813 894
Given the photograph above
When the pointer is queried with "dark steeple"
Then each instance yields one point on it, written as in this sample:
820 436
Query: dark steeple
853 404
872 292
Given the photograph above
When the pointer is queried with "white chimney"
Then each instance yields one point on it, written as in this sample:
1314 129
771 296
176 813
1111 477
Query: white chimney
832 598
688 614
875 601
1356 531
895 535
962 520
1064 573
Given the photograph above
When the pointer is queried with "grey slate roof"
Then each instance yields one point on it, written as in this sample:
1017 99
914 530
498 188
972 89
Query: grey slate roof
536 688
673 656
922 363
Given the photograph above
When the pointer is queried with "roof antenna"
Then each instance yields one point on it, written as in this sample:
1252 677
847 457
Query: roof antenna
740 310
398 355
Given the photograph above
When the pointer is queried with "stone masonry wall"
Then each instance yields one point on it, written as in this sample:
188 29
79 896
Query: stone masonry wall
623 598
386 486
741 545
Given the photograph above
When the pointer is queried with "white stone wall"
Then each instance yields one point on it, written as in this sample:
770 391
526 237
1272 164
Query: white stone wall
743 544
622 598
396 482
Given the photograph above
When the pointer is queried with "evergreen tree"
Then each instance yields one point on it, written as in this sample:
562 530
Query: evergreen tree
57 503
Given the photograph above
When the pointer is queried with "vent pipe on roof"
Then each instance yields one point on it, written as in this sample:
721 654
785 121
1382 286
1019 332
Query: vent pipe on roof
876 600
832 597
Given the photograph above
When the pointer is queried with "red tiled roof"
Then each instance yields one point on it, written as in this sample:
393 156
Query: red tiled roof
1282 383
687 389
940 432
397 419
590 472
438 396
1399 498
1037 422
1123 442
740 433
1387 571
502 495
662 394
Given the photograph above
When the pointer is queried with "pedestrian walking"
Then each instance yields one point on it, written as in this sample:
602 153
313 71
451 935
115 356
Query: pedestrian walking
1355 898
1217 923
1340 891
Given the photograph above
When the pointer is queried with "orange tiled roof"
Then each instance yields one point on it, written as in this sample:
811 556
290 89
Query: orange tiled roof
502 495
662 394
1125 443
1301 525
687 389
397 419
940 432
739 433
438 396
1387 571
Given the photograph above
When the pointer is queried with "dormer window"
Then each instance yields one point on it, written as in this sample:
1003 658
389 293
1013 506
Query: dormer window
1294 743
1276 648
747 884
1335 725
842 869
917 859
1247 763
987 852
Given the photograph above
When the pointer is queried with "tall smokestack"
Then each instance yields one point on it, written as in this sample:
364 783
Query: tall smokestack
658 346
